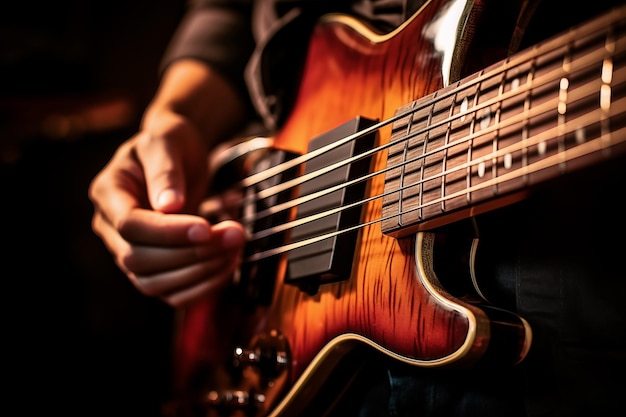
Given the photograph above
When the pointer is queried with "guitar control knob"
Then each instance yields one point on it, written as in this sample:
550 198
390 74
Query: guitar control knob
269 354
229 401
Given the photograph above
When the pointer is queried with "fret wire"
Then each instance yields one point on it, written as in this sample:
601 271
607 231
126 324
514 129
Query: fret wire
444 159
562 105
527 88
409 125
470 141
580 93
587 119
587 148
526 123
609 46
496 132
425 151
521 117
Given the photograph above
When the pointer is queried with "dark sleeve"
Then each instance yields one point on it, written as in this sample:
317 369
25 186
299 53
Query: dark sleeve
217 32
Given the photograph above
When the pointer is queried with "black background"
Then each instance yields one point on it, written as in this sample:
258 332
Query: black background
78 339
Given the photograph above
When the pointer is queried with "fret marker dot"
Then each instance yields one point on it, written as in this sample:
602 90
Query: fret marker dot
508 161
541 147
486 119
481 169
464 107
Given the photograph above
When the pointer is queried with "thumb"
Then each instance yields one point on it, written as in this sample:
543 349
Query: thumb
164 175
168 200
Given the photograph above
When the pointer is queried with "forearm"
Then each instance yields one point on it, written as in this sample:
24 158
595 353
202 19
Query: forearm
218 32
195 91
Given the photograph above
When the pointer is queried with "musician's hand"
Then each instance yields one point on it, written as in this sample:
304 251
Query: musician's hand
176 257
147 197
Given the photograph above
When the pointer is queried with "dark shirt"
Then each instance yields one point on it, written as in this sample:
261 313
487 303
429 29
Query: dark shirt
259 45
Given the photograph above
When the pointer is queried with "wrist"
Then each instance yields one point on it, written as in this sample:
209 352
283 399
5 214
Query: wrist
194 91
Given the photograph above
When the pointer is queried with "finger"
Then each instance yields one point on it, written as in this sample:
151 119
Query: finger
224 247
118 195
153 228
112 240
140 249
117 189
148 260
167 158
225 243
162 170
230 234
187 283
168 283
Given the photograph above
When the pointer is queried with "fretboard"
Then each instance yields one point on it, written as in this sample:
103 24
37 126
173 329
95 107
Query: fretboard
480 143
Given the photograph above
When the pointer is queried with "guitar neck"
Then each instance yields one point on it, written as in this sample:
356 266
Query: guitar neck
484 141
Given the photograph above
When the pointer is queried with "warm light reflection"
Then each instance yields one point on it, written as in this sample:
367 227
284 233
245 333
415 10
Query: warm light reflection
563 86
443 32
607 71
605 97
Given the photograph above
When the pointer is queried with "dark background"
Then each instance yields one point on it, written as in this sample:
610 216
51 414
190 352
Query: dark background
75 75
77 338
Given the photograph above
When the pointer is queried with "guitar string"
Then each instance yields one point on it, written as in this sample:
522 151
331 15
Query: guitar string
252 179
547 135
544 108
286 185
554 160
539 50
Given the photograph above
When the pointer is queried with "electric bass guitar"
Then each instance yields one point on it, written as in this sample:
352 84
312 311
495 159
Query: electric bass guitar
387 142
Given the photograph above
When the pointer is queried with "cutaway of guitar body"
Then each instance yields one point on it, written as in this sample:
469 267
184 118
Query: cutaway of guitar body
427 328
393 303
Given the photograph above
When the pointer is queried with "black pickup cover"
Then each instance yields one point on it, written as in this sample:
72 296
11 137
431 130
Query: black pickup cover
330 260
256 280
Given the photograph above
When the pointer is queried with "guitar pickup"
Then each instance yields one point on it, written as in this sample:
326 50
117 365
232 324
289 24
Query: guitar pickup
329 259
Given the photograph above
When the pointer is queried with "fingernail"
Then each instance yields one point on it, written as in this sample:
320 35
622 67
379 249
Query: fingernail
168 198
198 233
